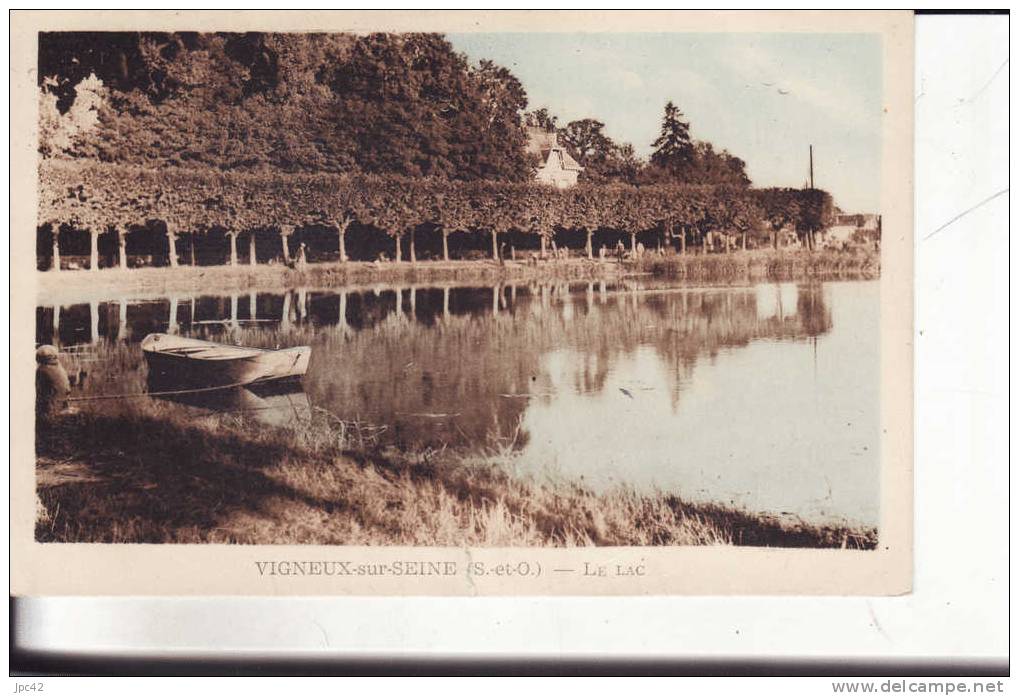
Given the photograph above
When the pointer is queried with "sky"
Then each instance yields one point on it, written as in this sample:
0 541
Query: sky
764 97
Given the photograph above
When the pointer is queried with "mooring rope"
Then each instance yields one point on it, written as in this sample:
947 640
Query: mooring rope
175 392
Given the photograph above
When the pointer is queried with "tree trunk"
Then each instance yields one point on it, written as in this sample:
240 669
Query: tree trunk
233 248
171 239
682 239
744 240
171 326
93 256
191 247
122 319
399 251
93 323
285 317
342 228
445 245
252 255
588 247
495 245
122 250
445 301
55 261
774 240
285 242
544 242
413 251
633 244
704 243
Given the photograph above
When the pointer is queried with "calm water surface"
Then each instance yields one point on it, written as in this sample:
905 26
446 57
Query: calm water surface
764 396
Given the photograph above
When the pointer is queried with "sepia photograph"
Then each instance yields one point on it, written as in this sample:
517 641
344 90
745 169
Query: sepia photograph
510 343
505 289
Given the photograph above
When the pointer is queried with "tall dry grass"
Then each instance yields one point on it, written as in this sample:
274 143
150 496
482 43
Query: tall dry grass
765 264
154 473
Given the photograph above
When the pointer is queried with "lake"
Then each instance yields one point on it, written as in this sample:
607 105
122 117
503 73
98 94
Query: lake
761 396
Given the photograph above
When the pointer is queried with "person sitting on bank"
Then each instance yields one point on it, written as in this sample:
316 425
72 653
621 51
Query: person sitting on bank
52 385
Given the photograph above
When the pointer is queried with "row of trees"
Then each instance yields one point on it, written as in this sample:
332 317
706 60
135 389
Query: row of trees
100 197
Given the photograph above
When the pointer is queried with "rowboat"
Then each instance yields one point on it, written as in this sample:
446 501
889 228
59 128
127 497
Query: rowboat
189 362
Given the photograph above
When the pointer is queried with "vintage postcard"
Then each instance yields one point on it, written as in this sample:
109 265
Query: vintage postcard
461 303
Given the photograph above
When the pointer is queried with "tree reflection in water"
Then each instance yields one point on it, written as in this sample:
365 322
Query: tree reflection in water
541 369
458 366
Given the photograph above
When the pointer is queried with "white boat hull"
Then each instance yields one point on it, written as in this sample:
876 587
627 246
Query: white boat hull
195 363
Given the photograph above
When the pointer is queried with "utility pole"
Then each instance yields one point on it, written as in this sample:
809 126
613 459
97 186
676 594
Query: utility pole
810 233
811 166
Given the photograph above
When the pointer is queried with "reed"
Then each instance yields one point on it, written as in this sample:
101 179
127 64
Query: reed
764 264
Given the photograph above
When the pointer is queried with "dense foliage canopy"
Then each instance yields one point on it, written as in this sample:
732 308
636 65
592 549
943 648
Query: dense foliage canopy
403 104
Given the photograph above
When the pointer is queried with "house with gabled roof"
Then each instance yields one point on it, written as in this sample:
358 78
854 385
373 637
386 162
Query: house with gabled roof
556 168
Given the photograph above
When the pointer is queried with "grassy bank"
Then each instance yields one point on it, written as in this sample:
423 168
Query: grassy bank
77 286
150 472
